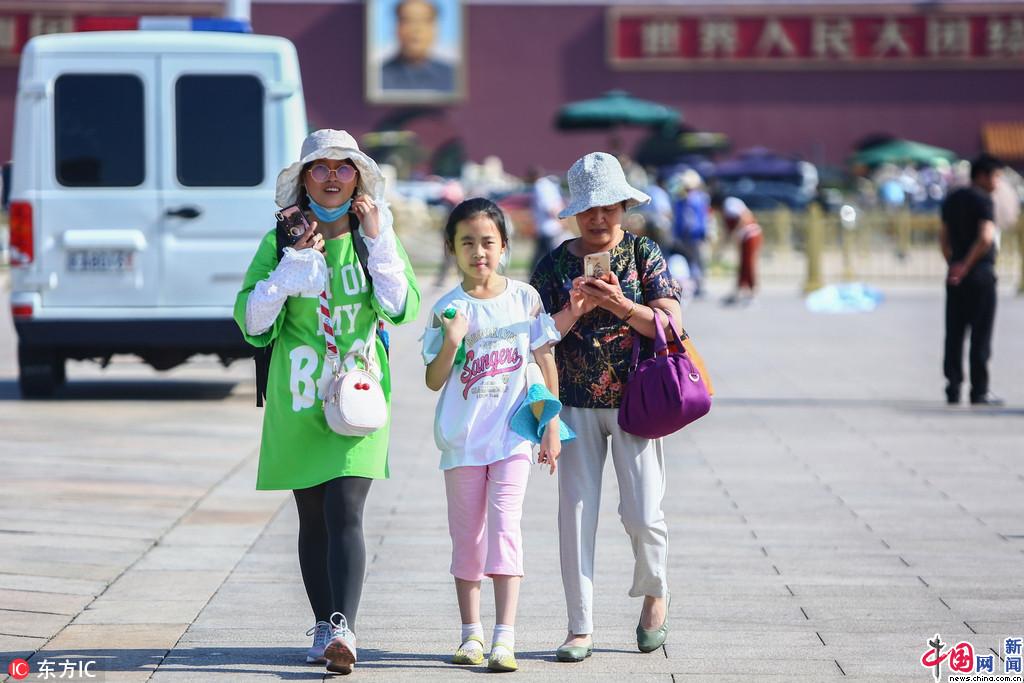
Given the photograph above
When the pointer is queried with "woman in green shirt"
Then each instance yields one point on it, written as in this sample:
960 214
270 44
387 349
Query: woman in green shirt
341 191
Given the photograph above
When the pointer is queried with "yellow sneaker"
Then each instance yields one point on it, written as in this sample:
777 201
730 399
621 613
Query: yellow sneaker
502 659
470 655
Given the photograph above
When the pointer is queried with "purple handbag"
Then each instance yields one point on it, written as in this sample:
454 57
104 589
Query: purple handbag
665 393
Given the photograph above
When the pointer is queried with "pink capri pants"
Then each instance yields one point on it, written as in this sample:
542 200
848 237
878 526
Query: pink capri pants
485 506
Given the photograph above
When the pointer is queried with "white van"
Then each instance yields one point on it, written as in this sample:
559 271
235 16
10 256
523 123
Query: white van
143 177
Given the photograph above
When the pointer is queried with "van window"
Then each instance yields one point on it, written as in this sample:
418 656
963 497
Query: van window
220 130
99 130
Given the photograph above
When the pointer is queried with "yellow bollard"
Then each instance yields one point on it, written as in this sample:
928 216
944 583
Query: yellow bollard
814 247
784 229
1020 250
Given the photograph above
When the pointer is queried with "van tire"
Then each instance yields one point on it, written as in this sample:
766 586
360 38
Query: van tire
40 372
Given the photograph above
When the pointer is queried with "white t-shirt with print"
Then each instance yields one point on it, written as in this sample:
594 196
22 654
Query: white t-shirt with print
471 425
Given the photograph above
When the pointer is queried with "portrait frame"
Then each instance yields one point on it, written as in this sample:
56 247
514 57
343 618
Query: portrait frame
390 81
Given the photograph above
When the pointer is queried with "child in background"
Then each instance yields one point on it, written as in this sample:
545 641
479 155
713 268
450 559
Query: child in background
498 322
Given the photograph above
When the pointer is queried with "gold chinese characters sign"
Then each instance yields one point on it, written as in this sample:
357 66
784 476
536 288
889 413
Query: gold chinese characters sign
830 37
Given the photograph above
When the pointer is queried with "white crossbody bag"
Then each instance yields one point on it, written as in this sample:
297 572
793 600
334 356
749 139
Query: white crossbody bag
354 402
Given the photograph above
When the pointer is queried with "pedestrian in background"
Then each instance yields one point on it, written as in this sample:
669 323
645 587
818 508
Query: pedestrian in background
743 228
968 245
452 194
658 213
545 203
597 318
690 225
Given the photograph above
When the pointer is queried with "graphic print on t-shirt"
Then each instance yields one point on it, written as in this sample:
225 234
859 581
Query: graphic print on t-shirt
493 354
305 385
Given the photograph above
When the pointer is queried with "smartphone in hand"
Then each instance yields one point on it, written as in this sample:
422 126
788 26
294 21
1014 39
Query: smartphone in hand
597 265
291 226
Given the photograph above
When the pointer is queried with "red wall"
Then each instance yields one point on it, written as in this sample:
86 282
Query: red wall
526 60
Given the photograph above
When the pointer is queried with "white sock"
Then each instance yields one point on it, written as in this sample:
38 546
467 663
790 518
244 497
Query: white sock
476 629
504 634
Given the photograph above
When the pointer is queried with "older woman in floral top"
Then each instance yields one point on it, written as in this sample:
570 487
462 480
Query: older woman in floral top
597 318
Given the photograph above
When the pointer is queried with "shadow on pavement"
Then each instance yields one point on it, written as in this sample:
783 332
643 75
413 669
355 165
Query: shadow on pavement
125 390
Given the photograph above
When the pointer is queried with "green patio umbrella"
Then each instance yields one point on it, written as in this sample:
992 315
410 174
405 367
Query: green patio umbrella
614 108
902 152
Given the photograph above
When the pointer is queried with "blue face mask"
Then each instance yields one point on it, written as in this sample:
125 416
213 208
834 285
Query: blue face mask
329 215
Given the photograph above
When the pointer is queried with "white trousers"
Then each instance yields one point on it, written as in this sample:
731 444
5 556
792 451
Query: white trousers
640 469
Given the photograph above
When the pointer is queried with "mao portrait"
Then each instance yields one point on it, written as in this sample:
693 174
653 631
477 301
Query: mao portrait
414 51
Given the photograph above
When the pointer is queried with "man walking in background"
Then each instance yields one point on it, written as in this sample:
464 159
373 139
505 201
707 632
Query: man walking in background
545 203
968 244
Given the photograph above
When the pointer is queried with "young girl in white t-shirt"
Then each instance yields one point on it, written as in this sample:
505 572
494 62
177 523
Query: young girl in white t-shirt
477 355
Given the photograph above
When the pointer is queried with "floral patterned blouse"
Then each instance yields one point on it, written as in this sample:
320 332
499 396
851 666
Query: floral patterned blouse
593 357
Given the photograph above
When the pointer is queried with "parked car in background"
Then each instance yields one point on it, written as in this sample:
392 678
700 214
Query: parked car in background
766 180
143 178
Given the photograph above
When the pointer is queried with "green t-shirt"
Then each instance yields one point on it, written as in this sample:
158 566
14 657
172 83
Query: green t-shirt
298 450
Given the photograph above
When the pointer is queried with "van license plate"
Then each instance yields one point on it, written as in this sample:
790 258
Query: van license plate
100 260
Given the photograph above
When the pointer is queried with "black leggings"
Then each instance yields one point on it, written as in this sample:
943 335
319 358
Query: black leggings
332 553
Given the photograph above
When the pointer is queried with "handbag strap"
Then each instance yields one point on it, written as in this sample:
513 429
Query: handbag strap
328 326
660 342
326 322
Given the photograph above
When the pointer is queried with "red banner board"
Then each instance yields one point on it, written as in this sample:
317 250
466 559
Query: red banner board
17 27
798 38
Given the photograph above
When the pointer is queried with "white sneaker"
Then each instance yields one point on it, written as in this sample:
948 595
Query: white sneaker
321 635
340 652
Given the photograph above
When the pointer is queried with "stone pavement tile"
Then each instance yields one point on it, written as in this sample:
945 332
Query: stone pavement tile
219 535
45 543
250 632
851 579
746 678
991 609
903 591
1011 627
895 624
212 558
145 611
34 624
738 642
165 585
1006 582
44 567
96 554
140 676
52 603
140 639
84 513
75 528
46 584
908 613
12 647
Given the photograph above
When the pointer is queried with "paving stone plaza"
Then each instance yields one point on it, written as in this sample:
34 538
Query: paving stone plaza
826 519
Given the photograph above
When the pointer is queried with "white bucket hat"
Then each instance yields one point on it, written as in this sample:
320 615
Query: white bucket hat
330 144
597 180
